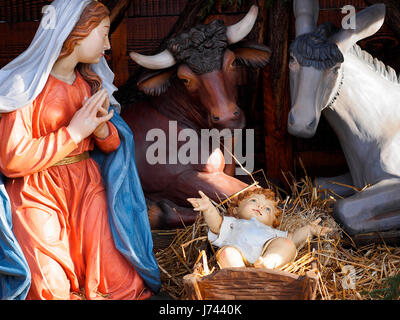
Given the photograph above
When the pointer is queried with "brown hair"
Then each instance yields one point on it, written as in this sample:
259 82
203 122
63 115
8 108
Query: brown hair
268 193
90 18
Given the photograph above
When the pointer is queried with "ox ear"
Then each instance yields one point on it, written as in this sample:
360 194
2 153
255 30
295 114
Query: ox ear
368 22
251 54
156 82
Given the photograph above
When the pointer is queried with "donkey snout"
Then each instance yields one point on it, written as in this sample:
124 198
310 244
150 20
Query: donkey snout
300 125
291 119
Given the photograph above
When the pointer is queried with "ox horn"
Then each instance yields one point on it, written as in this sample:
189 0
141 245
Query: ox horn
238 31
159 61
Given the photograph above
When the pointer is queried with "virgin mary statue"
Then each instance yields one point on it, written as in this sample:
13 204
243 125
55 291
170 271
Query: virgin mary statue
73 218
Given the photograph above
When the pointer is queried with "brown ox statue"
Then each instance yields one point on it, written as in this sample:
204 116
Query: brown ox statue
192 84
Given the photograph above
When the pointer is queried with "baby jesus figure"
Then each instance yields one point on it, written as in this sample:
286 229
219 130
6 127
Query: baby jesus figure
248 237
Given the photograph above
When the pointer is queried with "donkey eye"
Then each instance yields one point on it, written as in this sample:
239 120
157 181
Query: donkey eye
336 70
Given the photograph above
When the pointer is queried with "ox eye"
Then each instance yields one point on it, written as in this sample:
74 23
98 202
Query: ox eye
185 81
233 64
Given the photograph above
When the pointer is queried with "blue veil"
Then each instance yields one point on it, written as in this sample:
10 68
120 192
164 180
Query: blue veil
15 277
128 217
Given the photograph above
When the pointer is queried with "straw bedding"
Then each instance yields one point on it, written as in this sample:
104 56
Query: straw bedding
344 271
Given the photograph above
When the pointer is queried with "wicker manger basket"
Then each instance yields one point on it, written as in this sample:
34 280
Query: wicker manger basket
250 284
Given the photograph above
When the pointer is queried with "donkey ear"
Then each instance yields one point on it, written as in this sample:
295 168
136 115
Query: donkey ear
155 83
306 14
368 22
251 54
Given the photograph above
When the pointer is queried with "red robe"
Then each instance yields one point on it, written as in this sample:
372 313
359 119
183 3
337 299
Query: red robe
60 212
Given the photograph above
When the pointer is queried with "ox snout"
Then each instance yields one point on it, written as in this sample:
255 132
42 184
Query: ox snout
302 125
229 120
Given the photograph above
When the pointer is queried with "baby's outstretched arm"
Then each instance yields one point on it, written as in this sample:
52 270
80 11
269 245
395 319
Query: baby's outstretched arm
299 237
211 214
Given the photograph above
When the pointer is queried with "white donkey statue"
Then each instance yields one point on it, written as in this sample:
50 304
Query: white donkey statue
360 98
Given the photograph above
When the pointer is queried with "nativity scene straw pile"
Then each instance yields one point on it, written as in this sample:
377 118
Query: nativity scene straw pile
343 270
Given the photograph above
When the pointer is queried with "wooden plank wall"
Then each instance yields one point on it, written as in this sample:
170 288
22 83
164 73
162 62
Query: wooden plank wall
18 25
21 10
15 38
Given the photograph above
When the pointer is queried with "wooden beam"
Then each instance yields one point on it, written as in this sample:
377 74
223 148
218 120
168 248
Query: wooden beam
119 54
118 13
278 142
258 33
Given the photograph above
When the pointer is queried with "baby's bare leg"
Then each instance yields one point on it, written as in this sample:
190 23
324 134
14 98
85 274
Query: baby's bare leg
228 257
278 253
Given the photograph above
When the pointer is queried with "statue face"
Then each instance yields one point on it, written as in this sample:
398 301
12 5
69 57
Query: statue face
311 92
91 49
259 207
